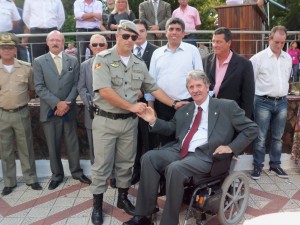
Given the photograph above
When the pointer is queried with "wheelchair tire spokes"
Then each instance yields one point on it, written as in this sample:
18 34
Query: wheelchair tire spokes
234 199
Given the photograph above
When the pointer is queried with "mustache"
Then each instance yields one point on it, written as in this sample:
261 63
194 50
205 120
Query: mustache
55 46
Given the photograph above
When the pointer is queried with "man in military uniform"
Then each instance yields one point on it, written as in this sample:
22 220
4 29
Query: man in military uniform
118 75
16 86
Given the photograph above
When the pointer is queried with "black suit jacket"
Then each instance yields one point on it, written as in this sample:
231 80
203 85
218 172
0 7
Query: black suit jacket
238 83
148 53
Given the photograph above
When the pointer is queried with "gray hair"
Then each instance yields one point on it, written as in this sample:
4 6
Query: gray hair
197 75
97 35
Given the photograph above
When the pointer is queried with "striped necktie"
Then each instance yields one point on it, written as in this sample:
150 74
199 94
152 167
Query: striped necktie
139 51
155 5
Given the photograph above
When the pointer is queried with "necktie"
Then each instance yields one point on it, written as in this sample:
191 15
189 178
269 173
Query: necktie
57 62
155 5
192 131
139 51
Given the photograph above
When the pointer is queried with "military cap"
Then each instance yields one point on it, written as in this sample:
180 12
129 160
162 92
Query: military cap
8 39
128 26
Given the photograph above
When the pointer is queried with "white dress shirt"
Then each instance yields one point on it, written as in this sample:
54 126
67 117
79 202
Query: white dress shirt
8 14
81 7
143 47
200 137
43 13
170 69
271 74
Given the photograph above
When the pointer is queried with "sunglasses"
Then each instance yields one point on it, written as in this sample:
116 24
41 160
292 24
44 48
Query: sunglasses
127 36
96 44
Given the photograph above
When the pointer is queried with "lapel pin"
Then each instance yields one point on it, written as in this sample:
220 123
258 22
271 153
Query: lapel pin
216 113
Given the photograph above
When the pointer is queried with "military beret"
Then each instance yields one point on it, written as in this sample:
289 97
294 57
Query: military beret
128 26
8 39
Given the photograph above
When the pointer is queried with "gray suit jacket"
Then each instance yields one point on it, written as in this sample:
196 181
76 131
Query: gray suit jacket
52 87
85 86
227 125
146 12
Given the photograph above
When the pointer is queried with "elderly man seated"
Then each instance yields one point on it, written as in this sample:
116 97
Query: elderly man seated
205 127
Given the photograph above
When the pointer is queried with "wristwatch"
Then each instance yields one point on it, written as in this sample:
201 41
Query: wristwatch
174 103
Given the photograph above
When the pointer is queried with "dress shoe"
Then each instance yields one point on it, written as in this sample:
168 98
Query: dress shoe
83 179
123 201
7 190
35 186
138 220
54 184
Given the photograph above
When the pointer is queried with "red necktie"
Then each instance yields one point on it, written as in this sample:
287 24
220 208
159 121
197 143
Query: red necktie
192 131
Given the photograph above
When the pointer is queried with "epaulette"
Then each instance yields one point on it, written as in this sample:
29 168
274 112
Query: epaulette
24 63
104 53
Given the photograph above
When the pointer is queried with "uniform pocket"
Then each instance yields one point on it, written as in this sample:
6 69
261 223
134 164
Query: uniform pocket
137 79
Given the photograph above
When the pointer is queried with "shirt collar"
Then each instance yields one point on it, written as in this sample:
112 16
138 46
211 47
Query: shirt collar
270 53
180 47
143 46
204 105
52 55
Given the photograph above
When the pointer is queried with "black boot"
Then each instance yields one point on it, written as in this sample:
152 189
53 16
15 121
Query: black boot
97 218
123 201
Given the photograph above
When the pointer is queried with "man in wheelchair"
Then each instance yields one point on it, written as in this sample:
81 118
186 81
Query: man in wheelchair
204 128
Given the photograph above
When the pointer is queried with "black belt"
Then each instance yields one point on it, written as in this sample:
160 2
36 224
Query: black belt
113 116
87 30
273 98
43 30
14 110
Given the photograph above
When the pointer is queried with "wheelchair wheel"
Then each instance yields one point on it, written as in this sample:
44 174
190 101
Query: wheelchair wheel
234 199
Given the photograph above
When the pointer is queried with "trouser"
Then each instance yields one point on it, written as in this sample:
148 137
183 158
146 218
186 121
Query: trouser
178 171
54 130
16 125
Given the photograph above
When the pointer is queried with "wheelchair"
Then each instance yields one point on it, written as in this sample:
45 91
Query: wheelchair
222 194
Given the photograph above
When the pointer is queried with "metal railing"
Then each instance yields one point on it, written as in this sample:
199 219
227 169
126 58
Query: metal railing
260 42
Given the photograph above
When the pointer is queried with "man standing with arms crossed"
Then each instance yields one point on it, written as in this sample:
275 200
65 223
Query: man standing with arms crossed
118 75
16 87
272 69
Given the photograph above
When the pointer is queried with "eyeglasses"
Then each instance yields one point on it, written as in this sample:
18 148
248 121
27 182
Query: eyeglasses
127 36
96 44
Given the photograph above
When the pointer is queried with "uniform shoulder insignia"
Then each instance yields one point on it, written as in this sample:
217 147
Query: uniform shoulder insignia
104 53
24 63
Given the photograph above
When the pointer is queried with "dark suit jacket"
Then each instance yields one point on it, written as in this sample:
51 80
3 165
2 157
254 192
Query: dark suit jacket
84 87
148 53
146 12
227 125
238 83
52 87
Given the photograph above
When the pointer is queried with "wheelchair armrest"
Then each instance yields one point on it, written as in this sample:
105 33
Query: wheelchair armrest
221 164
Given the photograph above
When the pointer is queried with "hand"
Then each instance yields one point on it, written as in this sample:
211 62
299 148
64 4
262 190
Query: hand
158 35
154 27
180 104
62 108
148 115
222 149
138 107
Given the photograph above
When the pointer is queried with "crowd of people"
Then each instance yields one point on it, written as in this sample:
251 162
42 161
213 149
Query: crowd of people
199 105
